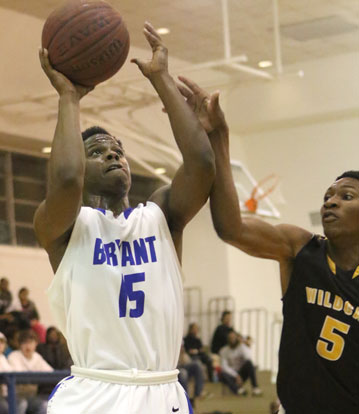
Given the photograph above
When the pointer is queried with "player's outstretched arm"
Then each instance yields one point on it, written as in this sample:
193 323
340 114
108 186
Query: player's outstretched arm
57 213
191 185
252 235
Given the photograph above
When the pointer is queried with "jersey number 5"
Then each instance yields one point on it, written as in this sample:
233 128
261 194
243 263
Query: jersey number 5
331 345
128 293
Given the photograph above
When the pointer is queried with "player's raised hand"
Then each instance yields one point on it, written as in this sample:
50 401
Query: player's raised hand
204 105
159 61
59 81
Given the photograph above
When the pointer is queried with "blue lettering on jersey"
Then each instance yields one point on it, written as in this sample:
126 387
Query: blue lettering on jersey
127 253
140 251
150 241
110 250
127 293
99 256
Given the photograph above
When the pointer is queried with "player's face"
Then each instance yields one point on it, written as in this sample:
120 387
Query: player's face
107 170
340 210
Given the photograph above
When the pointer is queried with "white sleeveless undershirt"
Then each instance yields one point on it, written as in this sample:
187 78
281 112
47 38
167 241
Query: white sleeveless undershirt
117 295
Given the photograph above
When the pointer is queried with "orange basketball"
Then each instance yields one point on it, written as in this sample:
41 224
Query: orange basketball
87 41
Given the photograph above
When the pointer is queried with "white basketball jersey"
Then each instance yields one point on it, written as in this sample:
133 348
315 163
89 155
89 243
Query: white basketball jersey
117 295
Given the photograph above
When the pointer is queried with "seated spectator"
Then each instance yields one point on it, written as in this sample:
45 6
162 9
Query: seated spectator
12 335
5 296
220 335
190 369
21 403
29 310
55 353
236 368
194 348
27 359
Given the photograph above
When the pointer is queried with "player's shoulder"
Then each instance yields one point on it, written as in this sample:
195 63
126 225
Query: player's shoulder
295 236
161 198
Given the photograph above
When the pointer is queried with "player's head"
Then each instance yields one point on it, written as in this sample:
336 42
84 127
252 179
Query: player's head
226 318
340 209
107 170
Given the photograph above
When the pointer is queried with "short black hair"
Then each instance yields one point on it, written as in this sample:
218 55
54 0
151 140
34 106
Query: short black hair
94 130
89 132
349 174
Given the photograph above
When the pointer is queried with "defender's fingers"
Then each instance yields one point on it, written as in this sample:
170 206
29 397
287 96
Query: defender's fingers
152 40
152 30
191 85
184 91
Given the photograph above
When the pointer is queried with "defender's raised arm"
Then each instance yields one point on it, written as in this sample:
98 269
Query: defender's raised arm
191 185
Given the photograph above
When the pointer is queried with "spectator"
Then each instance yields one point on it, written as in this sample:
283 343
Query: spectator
12 335
190 369
26 359
29 309
5 296
221 333
194 348
236 368
21 403
55 353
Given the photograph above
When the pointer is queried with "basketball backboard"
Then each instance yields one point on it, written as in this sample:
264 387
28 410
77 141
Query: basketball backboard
245 183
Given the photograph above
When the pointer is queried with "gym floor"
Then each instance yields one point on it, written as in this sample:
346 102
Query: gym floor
218 400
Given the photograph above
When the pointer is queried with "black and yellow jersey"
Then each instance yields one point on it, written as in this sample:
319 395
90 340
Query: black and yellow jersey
319 350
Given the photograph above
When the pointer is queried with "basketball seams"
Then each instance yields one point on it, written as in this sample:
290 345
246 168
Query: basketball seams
82 12
93 46
88 45
113 67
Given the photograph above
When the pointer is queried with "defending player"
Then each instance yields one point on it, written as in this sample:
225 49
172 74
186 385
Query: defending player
318 360
117 290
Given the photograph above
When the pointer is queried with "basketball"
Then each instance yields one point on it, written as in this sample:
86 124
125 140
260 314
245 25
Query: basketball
87 41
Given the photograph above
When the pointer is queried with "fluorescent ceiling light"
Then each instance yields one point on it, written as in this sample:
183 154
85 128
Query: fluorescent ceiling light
46 150
160 171
163 30
265 64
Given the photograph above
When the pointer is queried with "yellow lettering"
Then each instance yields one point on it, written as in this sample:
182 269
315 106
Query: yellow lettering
311 294
320 297
356 314
338 303
348 308
327 303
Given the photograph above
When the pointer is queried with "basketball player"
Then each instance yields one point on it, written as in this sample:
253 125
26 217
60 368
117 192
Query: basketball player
318 359
117 290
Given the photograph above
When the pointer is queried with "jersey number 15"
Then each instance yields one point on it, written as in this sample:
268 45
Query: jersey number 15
127 293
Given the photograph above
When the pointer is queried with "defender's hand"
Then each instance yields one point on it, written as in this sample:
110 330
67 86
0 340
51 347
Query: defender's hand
59 81
204 105
159 61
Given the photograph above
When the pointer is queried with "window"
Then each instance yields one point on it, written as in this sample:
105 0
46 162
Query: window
22 188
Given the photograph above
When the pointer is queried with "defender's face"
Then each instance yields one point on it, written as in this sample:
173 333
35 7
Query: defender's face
107 169
340 210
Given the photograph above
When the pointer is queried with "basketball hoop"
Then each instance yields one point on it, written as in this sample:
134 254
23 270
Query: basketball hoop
252 203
